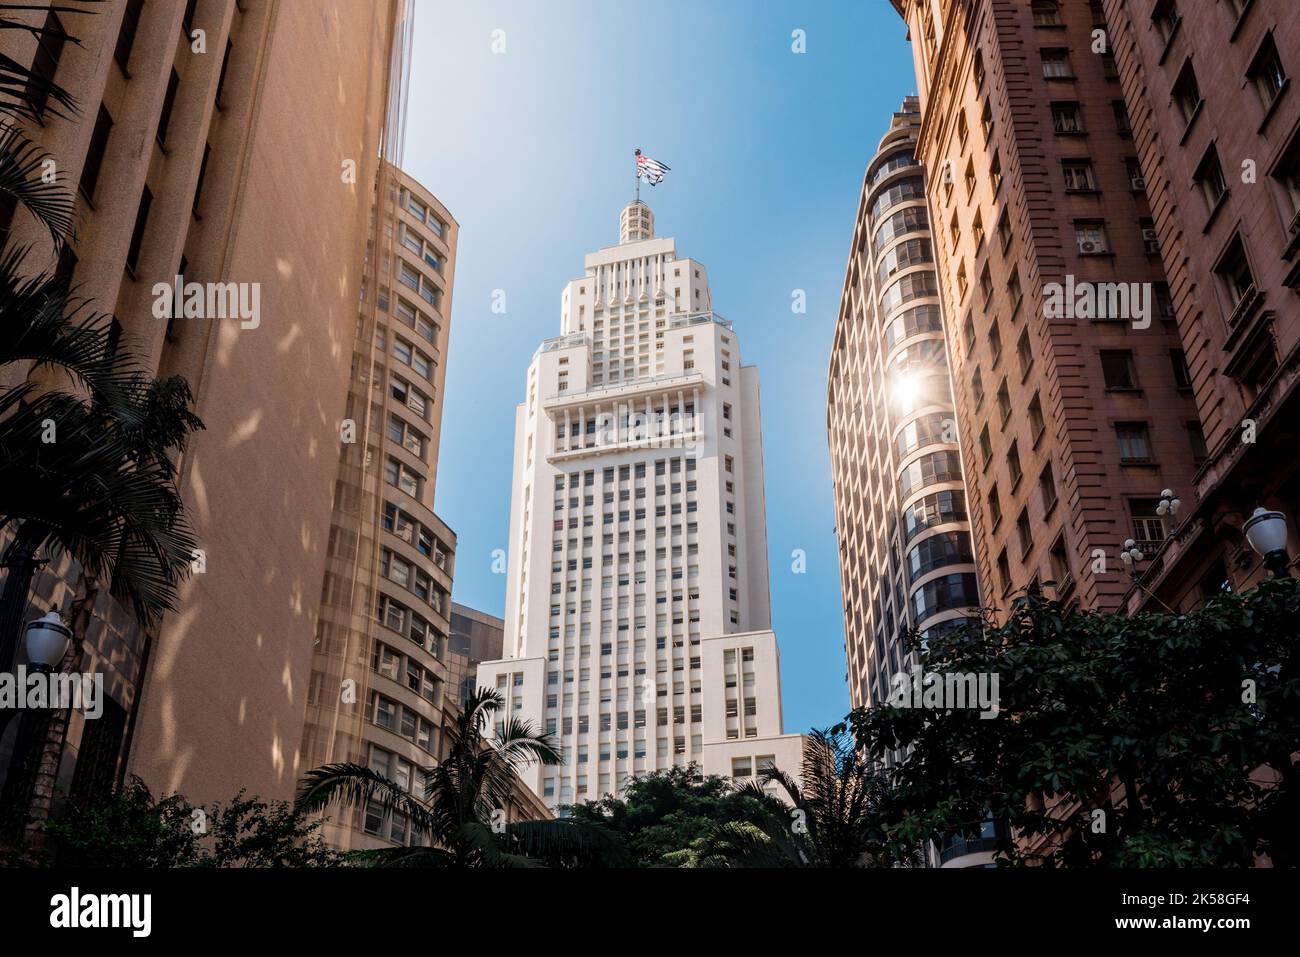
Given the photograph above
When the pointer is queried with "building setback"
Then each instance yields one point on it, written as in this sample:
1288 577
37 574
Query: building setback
1217 129
638 622
1073 399
190 158
906 559
475 637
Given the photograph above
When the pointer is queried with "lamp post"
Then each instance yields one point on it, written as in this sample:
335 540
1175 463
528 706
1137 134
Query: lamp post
46 640
1266 532
1131 555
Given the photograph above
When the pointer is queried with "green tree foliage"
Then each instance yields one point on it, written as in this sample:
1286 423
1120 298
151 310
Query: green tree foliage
459 817
1154 740
666 812
131 829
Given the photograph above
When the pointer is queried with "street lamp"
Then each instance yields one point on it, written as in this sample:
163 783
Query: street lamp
1266 532
1131 554
1169 505
46 640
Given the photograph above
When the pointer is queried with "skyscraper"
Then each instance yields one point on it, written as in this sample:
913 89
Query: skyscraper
906 559
638 622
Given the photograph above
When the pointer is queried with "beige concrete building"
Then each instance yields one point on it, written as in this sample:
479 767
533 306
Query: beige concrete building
1073 395
906 559
638 622
191 160
380 688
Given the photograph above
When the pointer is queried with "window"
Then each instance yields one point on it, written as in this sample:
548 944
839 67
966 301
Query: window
1056 64
1288 175
945 593
995 507
1067 118
1036 422
1117 369
1209 177
1004 571
1090 237
1047 488
95 153
1024 533
221 77
1134 442
203 172
1187 93
986 446
49 49
1235 276
1148 524
1004 230
1267 73
1166 19
165 117
1004 401
1025 353
1121 118
1013 464
1196 440
126 34
1078 176
1046 13
938 551
137 232
1059 559
1182 375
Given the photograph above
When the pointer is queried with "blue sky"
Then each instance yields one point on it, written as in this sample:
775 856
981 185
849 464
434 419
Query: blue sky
531 150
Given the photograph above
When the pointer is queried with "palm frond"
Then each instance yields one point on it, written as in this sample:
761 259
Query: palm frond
22 180
353 785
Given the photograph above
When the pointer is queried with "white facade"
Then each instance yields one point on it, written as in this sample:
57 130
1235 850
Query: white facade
638 621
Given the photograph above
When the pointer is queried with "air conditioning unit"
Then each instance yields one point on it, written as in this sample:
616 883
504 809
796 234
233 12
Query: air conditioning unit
1087 246
947 172
1151 240
1139 182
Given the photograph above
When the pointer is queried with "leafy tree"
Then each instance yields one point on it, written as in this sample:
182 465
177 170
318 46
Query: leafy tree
1151 740
461 794
835 815
666 811
131 829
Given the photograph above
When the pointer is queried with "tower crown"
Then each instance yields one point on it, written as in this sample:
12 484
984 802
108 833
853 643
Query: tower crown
636 222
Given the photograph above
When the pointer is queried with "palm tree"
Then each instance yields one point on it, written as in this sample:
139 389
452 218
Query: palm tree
464 798
834 816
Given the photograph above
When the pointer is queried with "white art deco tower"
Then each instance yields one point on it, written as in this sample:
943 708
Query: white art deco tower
638 621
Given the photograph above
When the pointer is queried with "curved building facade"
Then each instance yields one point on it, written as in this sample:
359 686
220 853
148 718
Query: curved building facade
383 682
906 559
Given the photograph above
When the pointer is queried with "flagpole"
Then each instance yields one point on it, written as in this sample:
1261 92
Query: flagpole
637 170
